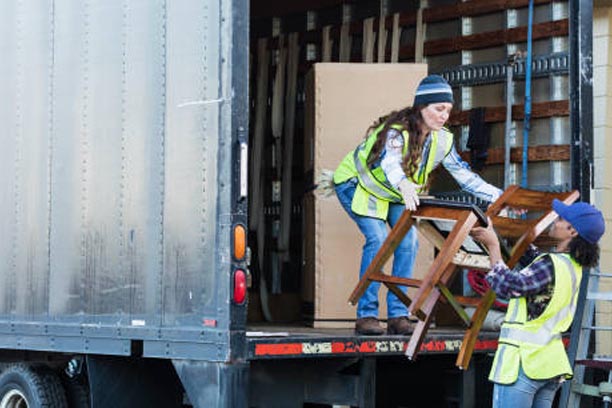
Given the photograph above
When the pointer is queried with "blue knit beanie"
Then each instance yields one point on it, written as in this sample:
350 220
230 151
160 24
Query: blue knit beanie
433 89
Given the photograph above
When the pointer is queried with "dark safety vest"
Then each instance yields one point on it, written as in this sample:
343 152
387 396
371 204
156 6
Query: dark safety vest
374 192
536 344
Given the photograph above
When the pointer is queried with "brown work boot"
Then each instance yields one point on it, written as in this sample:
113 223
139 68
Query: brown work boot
399 325
368 326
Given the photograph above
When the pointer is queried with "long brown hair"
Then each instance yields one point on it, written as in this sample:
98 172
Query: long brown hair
409 119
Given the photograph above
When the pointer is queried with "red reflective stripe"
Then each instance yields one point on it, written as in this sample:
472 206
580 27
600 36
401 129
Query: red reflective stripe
338 347
278 349
433 346
351 347
368 347
485 345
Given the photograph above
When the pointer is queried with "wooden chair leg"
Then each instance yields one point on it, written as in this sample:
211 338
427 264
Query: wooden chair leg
471 334
421 313
452 244
382 256
417 336
427 313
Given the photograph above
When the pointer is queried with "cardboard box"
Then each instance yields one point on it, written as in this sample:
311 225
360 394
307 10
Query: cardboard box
342 101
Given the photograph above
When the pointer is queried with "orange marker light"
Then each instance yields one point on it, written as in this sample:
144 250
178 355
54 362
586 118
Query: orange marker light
239 242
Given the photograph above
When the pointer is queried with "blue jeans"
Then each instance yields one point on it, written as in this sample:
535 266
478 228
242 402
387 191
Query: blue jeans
525 392
375 232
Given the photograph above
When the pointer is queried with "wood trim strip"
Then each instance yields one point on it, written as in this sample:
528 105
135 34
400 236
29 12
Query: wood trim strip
498 114
557 28
534 154
430 15
474 8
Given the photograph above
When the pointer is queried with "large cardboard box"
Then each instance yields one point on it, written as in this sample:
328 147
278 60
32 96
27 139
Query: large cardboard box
342 101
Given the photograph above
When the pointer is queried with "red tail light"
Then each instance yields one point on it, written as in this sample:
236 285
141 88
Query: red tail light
240 286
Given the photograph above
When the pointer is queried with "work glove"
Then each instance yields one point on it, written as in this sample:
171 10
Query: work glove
325 183
409 194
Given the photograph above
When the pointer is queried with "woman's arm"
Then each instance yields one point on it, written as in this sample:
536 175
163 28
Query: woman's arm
391 164
506 282
467 179
391 158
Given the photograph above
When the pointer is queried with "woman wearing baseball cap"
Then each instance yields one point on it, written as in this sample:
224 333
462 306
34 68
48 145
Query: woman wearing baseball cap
531 362
384 176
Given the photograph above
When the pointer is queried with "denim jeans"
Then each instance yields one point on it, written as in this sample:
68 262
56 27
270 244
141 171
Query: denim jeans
375 232
525 392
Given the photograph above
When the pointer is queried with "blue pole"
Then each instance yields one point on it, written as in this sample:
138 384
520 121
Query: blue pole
527 120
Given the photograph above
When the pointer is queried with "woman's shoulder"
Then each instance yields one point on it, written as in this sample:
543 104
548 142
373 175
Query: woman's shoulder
395 137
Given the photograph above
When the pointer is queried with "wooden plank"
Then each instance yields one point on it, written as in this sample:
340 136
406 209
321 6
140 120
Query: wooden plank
279 8
558 28
538 200
474 8
497 114
534 154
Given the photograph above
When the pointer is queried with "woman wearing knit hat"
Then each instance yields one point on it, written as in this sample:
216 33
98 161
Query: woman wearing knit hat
531 362
384 176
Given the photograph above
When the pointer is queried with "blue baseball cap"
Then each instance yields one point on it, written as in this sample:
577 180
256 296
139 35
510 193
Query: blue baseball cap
587 220
433 89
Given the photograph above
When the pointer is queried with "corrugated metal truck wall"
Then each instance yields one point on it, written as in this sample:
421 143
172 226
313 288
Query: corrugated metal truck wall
110 120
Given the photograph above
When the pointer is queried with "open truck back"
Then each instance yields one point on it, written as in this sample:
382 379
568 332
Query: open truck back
123 208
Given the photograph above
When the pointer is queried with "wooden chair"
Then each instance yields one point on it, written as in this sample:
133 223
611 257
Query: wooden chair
447 225
522 232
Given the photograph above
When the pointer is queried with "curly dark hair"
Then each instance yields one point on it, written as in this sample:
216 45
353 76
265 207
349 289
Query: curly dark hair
409 119
585 253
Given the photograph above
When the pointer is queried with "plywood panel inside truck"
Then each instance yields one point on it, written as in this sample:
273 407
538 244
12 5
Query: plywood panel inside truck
342 101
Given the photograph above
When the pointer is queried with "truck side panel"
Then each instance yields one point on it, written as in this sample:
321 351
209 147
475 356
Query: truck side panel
115 205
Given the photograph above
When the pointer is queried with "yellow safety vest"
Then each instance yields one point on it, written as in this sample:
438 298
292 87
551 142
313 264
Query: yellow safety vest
374 192
536 345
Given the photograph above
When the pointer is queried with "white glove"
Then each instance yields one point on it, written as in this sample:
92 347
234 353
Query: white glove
409 194
325 183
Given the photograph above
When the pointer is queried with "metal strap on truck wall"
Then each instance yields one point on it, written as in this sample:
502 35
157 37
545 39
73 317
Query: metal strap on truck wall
495 72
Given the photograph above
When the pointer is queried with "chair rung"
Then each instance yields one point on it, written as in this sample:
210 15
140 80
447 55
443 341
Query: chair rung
468 300
381 277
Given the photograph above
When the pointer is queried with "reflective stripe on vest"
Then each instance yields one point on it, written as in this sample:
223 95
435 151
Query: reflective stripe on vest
371 184
441 143
545 334
374 192
500 357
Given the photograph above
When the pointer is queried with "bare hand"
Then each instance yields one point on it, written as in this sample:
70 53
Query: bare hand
486 235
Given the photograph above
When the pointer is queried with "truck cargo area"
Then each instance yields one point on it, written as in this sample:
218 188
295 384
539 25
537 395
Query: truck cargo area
166 238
